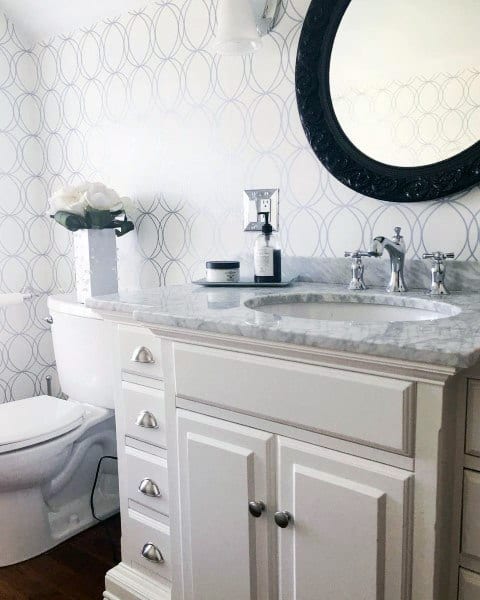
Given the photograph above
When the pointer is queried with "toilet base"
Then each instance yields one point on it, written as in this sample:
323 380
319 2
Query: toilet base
45 530
36 519
24 542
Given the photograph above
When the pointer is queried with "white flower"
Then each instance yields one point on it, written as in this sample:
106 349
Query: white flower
96 196
99 197
67 199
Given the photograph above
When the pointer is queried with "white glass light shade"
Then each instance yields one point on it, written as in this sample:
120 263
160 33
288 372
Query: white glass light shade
236 28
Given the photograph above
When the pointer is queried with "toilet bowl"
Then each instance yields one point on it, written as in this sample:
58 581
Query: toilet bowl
50 448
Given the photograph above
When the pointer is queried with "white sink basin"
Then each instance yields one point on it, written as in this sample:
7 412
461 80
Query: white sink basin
335 307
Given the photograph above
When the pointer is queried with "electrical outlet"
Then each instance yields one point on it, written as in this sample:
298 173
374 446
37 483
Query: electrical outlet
260 201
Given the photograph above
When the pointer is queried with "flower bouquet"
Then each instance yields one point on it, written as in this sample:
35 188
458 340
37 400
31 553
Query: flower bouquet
93 212
91 206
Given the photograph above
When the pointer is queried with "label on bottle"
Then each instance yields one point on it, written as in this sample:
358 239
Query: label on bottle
263 262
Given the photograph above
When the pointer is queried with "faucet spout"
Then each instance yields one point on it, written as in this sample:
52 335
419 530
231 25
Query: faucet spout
396 250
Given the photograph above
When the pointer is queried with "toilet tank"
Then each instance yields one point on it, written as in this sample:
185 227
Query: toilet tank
82 342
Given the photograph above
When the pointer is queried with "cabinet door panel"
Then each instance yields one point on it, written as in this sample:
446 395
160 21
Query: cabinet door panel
469 585
222 467
471 517
350 528
322 540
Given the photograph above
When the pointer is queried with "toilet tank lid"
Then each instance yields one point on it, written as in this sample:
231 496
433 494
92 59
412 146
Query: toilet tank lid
24 423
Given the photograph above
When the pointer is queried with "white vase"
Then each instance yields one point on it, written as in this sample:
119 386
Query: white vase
95 262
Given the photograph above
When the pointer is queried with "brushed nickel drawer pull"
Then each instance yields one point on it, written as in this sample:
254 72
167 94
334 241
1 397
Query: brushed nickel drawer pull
152 553
147 420
149 488
142 355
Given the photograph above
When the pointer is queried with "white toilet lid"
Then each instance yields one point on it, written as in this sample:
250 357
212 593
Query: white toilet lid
24 423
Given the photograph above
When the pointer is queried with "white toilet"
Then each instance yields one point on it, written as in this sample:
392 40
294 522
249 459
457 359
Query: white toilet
50 448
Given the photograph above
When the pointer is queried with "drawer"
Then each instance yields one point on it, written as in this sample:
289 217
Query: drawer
472 440
133 360
147 479
139 531
376 411
469 585
140 401
471 513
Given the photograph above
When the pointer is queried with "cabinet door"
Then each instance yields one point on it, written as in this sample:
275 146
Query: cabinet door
225 550
350 528
469 585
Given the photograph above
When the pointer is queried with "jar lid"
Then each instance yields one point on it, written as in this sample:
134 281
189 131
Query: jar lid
223 264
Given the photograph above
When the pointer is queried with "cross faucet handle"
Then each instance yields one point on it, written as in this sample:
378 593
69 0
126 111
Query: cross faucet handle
438 287
358 269
439 256
357 254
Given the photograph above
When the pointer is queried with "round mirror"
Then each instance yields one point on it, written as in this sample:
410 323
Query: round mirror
404 78
389 94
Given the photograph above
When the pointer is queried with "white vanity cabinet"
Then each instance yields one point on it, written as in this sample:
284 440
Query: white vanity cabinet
341 528
286 473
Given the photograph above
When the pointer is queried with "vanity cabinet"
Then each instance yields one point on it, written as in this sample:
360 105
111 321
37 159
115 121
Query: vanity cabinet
291 474
331 522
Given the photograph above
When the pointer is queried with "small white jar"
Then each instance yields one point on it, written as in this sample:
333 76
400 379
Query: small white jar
222 271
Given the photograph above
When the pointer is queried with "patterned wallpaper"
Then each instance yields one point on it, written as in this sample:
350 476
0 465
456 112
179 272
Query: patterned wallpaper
140 103
29 254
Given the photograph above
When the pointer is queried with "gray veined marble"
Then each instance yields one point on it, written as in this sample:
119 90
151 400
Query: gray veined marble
452 341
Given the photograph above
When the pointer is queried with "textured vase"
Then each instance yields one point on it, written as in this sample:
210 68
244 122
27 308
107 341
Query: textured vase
95 262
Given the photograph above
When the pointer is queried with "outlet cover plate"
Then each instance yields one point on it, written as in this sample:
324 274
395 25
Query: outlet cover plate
265 200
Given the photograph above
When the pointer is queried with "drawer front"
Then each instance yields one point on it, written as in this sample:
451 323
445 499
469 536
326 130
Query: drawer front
472 442
372 410
138 348
139 531
469 585
471 513
147 479
144 413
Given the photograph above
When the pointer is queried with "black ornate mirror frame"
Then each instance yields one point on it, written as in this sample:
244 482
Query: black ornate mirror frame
337 153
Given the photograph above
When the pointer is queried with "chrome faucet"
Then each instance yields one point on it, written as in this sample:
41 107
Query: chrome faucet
396 249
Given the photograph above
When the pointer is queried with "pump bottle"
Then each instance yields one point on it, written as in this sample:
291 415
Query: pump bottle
267 256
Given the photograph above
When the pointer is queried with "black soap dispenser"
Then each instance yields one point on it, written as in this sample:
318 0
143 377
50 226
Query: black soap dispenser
267 256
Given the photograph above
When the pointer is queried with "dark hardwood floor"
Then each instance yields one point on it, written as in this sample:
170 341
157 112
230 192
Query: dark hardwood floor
75 570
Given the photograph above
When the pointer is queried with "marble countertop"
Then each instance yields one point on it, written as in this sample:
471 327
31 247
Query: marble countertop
453 341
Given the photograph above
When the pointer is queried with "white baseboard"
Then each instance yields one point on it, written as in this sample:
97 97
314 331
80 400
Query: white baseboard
124 583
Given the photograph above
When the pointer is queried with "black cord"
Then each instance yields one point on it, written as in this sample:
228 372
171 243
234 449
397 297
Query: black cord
116 559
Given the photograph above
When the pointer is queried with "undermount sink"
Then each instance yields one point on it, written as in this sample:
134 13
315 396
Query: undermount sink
356 308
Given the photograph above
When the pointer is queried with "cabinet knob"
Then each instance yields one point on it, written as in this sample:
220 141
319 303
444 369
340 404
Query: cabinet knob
152 553
282 518
256 508
142 355
147 420
149 488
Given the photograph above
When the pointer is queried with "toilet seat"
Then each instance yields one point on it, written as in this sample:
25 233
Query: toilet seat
24 423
